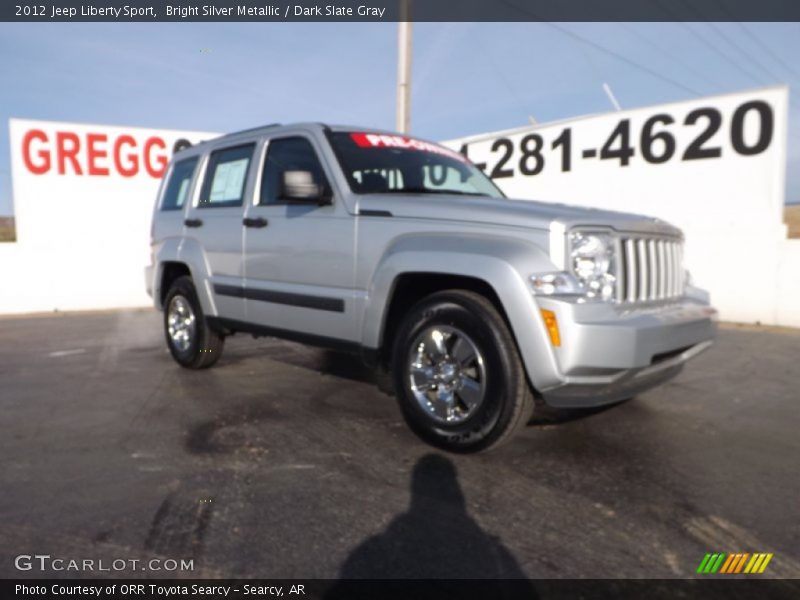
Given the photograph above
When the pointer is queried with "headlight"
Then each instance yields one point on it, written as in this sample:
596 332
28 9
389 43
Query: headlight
592 260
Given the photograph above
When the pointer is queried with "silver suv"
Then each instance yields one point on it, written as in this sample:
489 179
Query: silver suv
474 308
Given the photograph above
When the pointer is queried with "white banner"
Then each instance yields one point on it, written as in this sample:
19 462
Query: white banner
83 197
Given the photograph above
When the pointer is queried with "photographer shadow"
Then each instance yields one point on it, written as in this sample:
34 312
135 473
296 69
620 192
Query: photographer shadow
435 539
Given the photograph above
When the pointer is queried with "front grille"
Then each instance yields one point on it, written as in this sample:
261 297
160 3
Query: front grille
650 269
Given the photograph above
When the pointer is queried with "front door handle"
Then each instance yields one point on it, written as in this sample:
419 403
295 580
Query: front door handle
255 222
193 222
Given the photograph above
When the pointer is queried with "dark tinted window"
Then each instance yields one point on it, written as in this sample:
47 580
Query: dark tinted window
288 154
226 176
377 163
180 180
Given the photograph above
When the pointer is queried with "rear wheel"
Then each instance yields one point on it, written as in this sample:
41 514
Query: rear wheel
192 343
457 373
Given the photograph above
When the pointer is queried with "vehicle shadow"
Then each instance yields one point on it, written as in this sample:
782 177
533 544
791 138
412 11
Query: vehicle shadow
435 538
349 366
329 362
547 415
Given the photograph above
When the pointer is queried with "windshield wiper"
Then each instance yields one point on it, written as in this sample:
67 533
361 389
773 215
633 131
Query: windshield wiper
423 190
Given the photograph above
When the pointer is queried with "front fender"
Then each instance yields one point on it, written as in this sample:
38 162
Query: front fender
503 263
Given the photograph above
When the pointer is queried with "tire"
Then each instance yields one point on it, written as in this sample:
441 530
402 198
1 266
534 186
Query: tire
193 345
462 389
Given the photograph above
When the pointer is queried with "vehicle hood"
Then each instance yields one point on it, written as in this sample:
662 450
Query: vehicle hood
508 212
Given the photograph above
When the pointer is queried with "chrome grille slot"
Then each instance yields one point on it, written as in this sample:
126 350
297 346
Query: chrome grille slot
650 269
670 266
644 269
631 276
661 292
653 268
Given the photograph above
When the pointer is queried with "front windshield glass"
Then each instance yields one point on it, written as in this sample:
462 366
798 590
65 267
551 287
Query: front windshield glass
394 164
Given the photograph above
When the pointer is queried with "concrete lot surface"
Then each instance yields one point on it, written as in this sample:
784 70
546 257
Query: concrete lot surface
285 461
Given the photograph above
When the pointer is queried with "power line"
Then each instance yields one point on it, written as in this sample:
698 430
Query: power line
688 7
497 69
747 55
761 45
621 58
675 58
767 50
725 57
601 48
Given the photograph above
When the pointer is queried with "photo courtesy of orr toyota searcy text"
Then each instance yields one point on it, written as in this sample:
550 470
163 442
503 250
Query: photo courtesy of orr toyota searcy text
165 591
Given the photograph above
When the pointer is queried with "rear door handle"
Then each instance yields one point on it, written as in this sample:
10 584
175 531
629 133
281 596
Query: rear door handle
255 222
193 222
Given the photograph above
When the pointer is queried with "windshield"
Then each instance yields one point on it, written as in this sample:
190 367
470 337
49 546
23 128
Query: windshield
394 164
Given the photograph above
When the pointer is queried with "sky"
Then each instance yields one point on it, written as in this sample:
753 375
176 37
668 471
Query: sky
467 78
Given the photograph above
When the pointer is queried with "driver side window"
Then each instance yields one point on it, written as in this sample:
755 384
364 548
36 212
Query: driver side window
288 154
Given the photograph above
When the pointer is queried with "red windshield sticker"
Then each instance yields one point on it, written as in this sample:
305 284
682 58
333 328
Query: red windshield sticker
382 140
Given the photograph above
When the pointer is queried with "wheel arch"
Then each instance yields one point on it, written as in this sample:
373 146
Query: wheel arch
170 271
498 268
176 257
410 287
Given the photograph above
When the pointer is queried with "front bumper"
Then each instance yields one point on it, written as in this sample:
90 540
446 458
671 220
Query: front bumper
611 352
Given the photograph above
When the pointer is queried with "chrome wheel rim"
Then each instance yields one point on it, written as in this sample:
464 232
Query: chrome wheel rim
181 323
446 374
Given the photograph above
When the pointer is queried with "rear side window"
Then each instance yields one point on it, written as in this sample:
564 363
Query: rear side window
288 154
225 176
178 185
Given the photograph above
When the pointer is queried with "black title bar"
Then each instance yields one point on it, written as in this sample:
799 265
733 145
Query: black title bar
391 10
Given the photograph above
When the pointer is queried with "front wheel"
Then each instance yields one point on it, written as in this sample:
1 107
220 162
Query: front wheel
459 379
192 343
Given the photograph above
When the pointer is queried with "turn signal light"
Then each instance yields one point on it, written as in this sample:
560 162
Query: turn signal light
551 323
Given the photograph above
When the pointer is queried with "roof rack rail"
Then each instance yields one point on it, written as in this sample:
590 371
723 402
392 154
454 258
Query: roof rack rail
254 129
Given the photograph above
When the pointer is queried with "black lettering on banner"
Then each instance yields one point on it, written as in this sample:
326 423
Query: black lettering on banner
766 127
529 153
657 141
696 149
624 152
564 141
499 171
648 138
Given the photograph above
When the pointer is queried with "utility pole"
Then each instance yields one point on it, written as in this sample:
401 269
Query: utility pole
404 68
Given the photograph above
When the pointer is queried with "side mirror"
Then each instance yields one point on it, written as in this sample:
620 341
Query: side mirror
300 186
